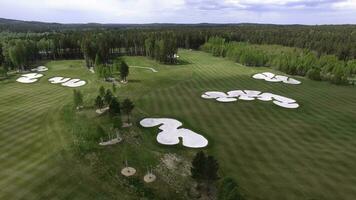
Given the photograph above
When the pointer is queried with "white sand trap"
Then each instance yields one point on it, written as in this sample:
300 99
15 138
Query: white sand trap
286 105
149 68
171 133
219 96
226 99
250 95
247 95
266 97
293 81
74 83
128 171
29 78
214 95
40 69
149 178
67 82
270 77
56 80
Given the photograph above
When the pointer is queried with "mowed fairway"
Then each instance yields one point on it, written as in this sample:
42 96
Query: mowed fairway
33 136
273 152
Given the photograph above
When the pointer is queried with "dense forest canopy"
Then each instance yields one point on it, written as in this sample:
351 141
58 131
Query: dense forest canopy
294 61
23 43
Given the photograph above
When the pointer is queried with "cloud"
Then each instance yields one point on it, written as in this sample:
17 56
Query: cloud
347 5
181 11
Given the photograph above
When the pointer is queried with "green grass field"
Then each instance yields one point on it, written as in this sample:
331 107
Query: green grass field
274 153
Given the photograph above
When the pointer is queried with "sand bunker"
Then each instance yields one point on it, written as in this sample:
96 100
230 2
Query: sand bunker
171 133
74 83
250 95
40 69
270 77
57 80
149 68
67 82
29 78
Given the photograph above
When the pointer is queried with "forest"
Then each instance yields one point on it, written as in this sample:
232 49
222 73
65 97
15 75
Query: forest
293 61
319 52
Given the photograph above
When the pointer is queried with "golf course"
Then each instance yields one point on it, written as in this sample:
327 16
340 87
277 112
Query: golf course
272 152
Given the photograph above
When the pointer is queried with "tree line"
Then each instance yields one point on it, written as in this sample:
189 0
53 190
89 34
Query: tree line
293 61
18 52
20 49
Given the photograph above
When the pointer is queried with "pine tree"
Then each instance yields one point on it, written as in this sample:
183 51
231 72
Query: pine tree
117 122
108 97
114 88
99 66
124 71
102 91
127 107
198 166
211 169
114 108
99 103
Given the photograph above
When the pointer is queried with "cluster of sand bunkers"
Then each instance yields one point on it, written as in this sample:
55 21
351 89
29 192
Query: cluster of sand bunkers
67 82
270 77
34 77
250 95
171 133
29 78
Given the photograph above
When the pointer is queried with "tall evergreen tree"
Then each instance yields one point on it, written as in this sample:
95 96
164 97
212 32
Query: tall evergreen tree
211 169
102 91
198 166
127 107
124 71
114 108
99 103
117 122
108 97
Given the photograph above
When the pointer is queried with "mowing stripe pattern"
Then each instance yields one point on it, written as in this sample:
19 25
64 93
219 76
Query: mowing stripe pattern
274 153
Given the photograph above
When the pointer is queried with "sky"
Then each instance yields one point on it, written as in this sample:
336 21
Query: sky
182 11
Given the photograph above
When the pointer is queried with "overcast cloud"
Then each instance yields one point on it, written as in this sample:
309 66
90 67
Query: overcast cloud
182 11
